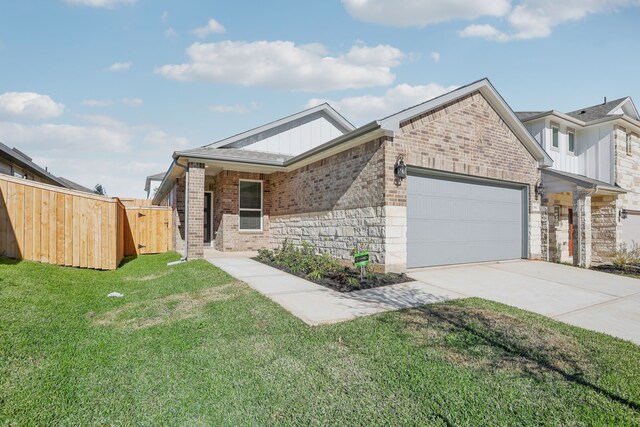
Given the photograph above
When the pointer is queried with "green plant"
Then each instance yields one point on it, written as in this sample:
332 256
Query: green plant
626 255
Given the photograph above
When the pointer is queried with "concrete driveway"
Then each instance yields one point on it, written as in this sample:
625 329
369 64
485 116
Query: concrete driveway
589 299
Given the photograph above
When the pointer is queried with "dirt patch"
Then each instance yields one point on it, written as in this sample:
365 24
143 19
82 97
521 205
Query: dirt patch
144 314
146 278
486 339
625 270
346 280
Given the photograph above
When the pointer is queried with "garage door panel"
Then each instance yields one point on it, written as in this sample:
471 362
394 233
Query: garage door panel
631 229
452 221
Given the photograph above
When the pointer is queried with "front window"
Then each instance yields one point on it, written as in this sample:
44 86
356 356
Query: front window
250 205
555 137
628 146
571 138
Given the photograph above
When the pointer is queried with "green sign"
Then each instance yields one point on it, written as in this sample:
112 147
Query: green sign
361 259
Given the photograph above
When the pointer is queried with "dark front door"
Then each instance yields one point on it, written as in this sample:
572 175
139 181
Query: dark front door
570 232
207 217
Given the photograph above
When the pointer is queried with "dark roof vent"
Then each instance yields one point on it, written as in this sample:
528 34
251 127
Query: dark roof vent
22 154
583 112
605 100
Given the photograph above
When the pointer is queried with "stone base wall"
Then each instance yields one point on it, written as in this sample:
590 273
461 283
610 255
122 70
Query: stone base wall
336 232
558 236
604 223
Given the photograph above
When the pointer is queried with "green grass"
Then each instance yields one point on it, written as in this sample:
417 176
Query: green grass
188 345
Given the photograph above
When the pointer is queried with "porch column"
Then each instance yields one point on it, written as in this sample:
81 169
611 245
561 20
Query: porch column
195 214
582 229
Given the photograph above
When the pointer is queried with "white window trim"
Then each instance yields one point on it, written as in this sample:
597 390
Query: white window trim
551 142
252 230
574 142
627 144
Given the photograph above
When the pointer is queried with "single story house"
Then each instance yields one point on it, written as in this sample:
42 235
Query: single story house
451 180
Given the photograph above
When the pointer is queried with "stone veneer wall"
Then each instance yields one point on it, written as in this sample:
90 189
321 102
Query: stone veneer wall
467 137
334 203
627 175
559 230
604 222
226 210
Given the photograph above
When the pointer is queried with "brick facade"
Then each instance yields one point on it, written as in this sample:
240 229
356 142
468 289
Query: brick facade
466 137
195 211
352 198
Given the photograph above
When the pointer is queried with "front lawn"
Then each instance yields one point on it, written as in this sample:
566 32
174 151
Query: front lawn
189 345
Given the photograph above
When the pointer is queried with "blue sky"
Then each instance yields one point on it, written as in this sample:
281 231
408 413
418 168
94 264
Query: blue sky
105 90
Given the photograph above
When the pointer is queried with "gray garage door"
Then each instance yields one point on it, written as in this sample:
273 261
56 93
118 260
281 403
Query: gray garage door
454 221
631 229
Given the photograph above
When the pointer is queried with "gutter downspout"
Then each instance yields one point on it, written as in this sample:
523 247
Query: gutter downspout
186 216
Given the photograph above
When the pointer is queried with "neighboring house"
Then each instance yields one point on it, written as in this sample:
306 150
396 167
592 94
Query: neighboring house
469 194
157 178
15 163
592 192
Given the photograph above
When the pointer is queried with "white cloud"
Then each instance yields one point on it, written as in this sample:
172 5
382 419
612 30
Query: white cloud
133 102
485 31
533 19
212 27
96 102
107 4
235 109
170 33
29 105
435 56
165 16
283 65
64 137
160 139
120 66
526 19
407 13
369 107
104 121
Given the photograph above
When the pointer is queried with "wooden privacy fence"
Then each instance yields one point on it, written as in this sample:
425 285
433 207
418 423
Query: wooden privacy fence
54 225
148 230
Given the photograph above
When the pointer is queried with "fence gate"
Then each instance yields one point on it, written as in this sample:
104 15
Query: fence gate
148 230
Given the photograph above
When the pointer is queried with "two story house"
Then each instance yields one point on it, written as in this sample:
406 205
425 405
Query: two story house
14 162
592 191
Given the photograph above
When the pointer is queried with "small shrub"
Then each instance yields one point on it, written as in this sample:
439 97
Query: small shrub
626 255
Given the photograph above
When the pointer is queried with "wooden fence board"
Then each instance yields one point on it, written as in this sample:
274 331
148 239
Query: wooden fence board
54 225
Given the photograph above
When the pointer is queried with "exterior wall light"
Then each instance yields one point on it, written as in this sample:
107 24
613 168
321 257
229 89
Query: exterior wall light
539 189
400 169
623 213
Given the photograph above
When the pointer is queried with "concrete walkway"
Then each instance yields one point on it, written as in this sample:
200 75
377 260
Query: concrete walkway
315 304
589 299
593 300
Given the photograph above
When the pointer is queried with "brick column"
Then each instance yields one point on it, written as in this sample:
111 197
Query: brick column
582 229
195 205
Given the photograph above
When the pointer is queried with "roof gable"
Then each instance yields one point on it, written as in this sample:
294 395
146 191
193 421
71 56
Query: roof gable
290 135
394 122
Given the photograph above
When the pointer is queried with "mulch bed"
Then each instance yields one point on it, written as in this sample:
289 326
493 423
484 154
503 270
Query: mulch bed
627 270
340 281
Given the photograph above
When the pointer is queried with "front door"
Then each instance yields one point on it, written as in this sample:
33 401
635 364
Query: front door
207 217
570 232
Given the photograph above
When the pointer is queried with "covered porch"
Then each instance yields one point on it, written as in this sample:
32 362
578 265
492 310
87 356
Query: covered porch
583 218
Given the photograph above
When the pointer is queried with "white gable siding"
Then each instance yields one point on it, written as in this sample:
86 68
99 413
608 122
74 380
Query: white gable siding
593 149
596 152
563 160
294 137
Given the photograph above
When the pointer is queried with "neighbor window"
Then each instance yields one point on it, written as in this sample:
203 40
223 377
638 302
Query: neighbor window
628 146
555 134
250 205
571 138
